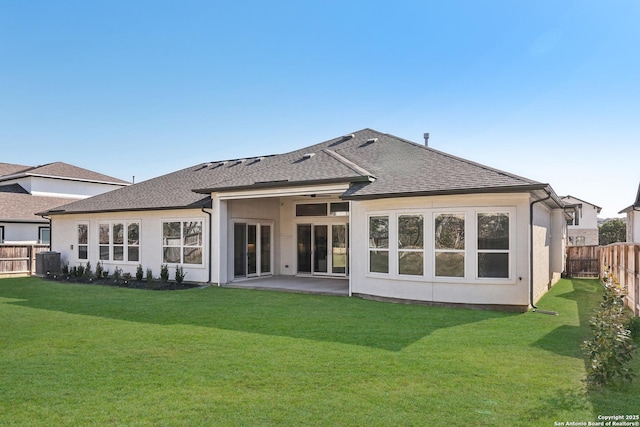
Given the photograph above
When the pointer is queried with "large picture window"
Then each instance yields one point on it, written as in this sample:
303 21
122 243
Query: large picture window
119 241
182 242
411 245
493 245
449 245
379 244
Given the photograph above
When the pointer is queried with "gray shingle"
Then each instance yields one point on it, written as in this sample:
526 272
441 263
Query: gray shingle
378 165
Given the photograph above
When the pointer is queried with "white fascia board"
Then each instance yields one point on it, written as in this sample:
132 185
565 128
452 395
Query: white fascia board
283 192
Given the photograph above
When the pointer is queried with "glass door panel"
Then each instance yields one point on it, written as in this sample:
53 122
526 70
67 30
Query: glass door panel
321 241
339 249
252 250
304 248
239 249
265 249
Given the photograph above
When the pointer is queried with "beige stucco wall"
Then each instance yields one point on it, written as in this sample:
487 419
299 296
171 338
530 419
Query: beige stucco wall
591 237
64 240
633 226
468 290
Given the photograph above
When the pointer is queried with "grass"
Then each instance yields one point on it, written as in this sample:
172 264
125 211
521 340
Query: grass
82 355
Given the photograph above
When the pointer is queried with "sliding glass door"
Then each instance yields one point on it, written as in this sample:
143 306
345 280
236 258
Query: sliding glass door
322 249
251 249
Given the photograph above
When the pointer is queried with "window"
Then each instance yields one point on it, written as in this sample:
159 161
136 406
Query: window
379 244
44 235
493 245
119 241
182 242
311 209
339 209
323 209
449 245
83 241
580 240
411 245
1 233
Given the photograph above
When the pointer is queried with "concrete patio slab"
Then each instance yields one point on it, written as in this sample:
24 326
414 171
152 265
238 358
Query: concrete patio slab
308 285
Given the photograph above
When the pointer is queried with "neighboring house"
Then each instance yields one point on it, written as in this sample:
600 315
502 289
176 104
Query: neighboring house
398 219
583 227
633 220
26 190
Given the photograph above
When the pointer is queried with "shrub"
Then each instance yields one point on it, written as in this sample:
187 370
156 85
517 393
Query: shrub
65 268
117 273
164 273
139 273
149 275
180 274
87 270
99 270
611 349
79 270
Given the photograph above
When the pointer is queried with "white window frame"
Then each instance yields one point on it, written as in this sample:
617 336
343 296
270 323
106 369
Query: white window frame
509 252
85 245
464 251
470 251
1 233
181 245
125 241
40 239
412 250
379 249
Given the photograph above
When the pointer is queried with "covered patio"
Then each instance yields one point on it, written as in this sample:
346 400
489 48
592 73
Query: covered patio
299 284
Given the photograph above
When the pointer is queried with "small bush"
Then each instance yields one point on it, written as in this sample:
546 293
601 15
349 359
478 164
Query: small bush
99 270
117 273
149 275
180 274
79 270
164 273
139 273
611 349
65 268
87 270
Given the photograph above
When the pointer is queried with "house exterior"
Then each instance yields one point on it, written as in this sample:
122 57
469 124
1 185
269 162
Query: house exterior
26 190
399 220
633 219
583 227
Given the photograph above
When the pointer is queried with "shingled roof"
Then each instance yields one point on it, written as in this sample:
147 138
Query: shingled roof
375 164
59 170
22 207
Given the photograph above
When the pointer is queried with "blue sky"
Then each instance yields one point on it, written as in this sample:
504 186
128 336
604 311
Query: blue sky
548 90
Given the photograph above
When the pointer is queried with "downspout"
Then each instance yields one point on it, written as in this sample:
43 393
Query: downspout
531 296
210 242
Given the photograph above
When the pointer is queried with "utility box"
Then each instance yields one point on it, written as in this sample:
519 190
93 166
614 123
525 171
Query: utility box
47 262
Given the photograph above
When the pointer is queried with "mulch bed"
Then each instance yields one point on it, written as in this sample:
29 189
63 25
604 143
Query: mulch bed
154 285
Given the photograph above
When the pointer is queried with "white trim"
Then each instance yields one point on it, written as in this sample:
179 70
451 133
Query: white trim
283 191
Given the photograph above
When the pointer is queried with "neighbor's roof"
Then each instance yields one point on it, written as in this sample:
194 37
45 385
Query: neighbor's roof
20 206
580 200
375 164
635 204
58 170
10 169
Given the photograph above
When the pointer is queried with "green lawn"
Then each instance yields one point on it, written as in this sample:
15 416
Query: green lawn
76 355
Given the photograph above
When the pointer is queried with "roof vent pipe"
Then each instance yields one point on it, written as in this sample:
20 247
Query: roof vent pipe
426 139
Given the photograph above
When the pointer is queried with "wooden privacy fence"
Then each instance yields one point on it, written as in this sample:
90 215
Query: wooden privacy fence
19 259
623 260
583 261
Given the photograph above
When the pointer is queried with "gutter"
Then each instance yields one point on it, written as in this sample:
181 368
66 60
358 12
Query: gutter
210 242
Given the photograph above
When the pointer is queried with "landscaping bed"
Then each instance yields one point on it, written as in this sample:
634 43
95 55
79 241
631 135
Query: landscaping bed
153 285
